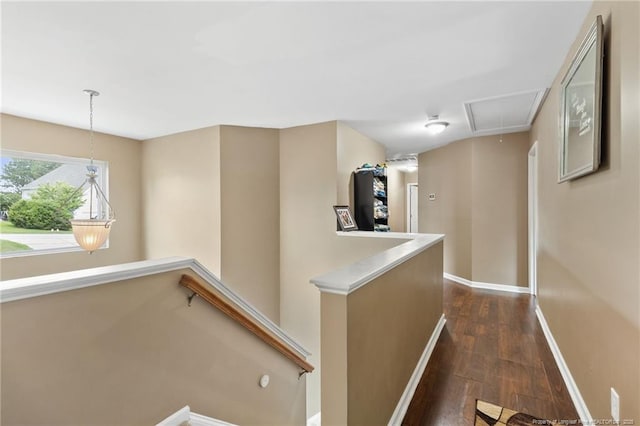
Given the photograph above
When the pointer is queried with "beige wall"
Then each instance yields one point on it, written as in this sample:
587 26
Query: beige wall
589 237
446 172
481 206
335 359
397 198
250 215
499 209
182 196
307 193
125 193
353 150
405 317
222 186
411 177
309 245
133 352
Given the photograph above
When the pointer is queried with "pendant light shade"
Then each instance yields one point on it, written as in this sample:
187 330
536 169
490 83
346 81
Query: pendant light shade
92 232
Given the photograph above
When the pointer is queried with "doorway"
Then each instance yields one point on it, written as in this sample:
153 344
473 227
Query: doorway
412 207
533 218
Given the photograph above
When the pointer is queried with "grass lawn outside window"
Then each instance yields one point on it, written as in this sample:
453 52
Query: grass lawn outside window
7 246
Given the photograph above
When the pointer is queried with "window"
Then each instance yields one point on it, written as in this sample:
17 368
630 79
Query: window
39 194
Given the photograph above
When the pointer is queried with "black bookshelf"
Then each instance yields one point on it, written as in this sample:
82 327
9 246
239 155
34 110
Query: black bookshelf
371 207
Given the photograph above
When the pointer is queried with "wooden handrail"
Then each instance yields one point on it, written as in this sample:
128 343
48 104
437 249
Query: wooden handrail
203 291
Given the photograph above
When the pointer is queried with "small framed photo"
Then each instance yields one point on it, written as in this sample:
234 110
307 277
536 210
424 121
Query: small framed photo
345 219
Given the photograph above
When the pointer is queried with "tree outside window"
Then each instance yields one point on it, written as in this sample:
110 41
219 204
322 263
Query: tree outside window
39 195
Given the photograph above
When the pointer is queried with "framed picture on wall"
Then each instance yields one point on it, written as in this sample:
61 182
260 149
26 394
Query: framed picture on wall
345 219
581 108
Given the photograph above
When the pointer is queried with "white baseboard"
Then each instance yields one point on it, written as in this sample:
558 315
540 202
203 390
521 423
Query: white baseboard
200 420
487 286
186 415
576 396
315 420
407 395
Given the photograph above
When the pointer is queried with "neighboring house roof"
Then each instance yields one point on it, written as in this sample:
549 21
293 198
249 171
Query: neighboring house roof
73 174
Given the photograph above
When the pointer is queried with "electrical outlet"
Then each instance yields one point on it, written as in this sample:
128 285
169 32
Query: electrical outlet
432 197
615 405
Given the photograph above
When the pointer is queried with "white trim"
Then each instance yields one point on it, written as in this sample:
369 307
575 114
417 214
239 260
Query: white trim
532 201
103 181
315 420
24 288
348 279
43 156
177 418
38 252
200 420
407 395
500 287
185 415
247 307
457 279
541 94
487 286
572 387
408 205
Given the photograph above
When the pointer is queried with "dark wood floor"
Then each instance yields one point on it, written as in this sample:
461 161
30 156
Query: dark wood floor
493 349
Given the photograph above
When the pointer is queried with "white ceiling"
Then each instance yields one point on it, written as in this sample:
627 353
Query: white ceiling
166 67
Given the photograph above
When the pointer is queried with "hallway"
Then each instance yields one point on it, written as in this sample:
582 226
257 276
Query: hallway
493 349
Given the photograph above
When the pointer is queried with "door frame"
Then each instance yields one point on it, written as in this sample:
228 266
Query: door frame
409 185
532 197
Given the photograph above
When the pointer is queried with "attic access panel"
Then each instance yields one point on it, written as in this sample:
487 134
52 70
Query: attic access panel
504 114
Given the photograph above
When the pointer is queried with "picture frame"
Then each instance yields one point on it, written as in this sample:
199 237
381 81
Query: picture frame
581 108
345 218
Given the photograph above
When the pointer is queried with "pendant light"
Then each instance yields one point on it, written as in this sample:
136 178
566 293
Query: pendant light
92 232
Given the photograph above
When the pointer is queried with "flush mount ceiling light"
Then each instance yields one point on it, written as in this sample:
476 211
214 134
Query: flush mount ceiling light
435 125
92 232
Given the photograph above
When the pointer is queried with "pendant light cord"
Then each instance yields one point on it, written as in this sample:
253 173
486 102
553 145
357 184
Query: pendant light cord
91 95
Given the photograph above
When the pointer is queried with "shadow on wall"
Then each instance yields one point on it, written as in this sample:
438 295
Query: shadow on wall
131 353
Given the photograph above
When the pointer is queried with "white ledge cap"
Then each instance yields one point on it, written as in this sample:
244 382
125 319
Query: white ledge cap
348 279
